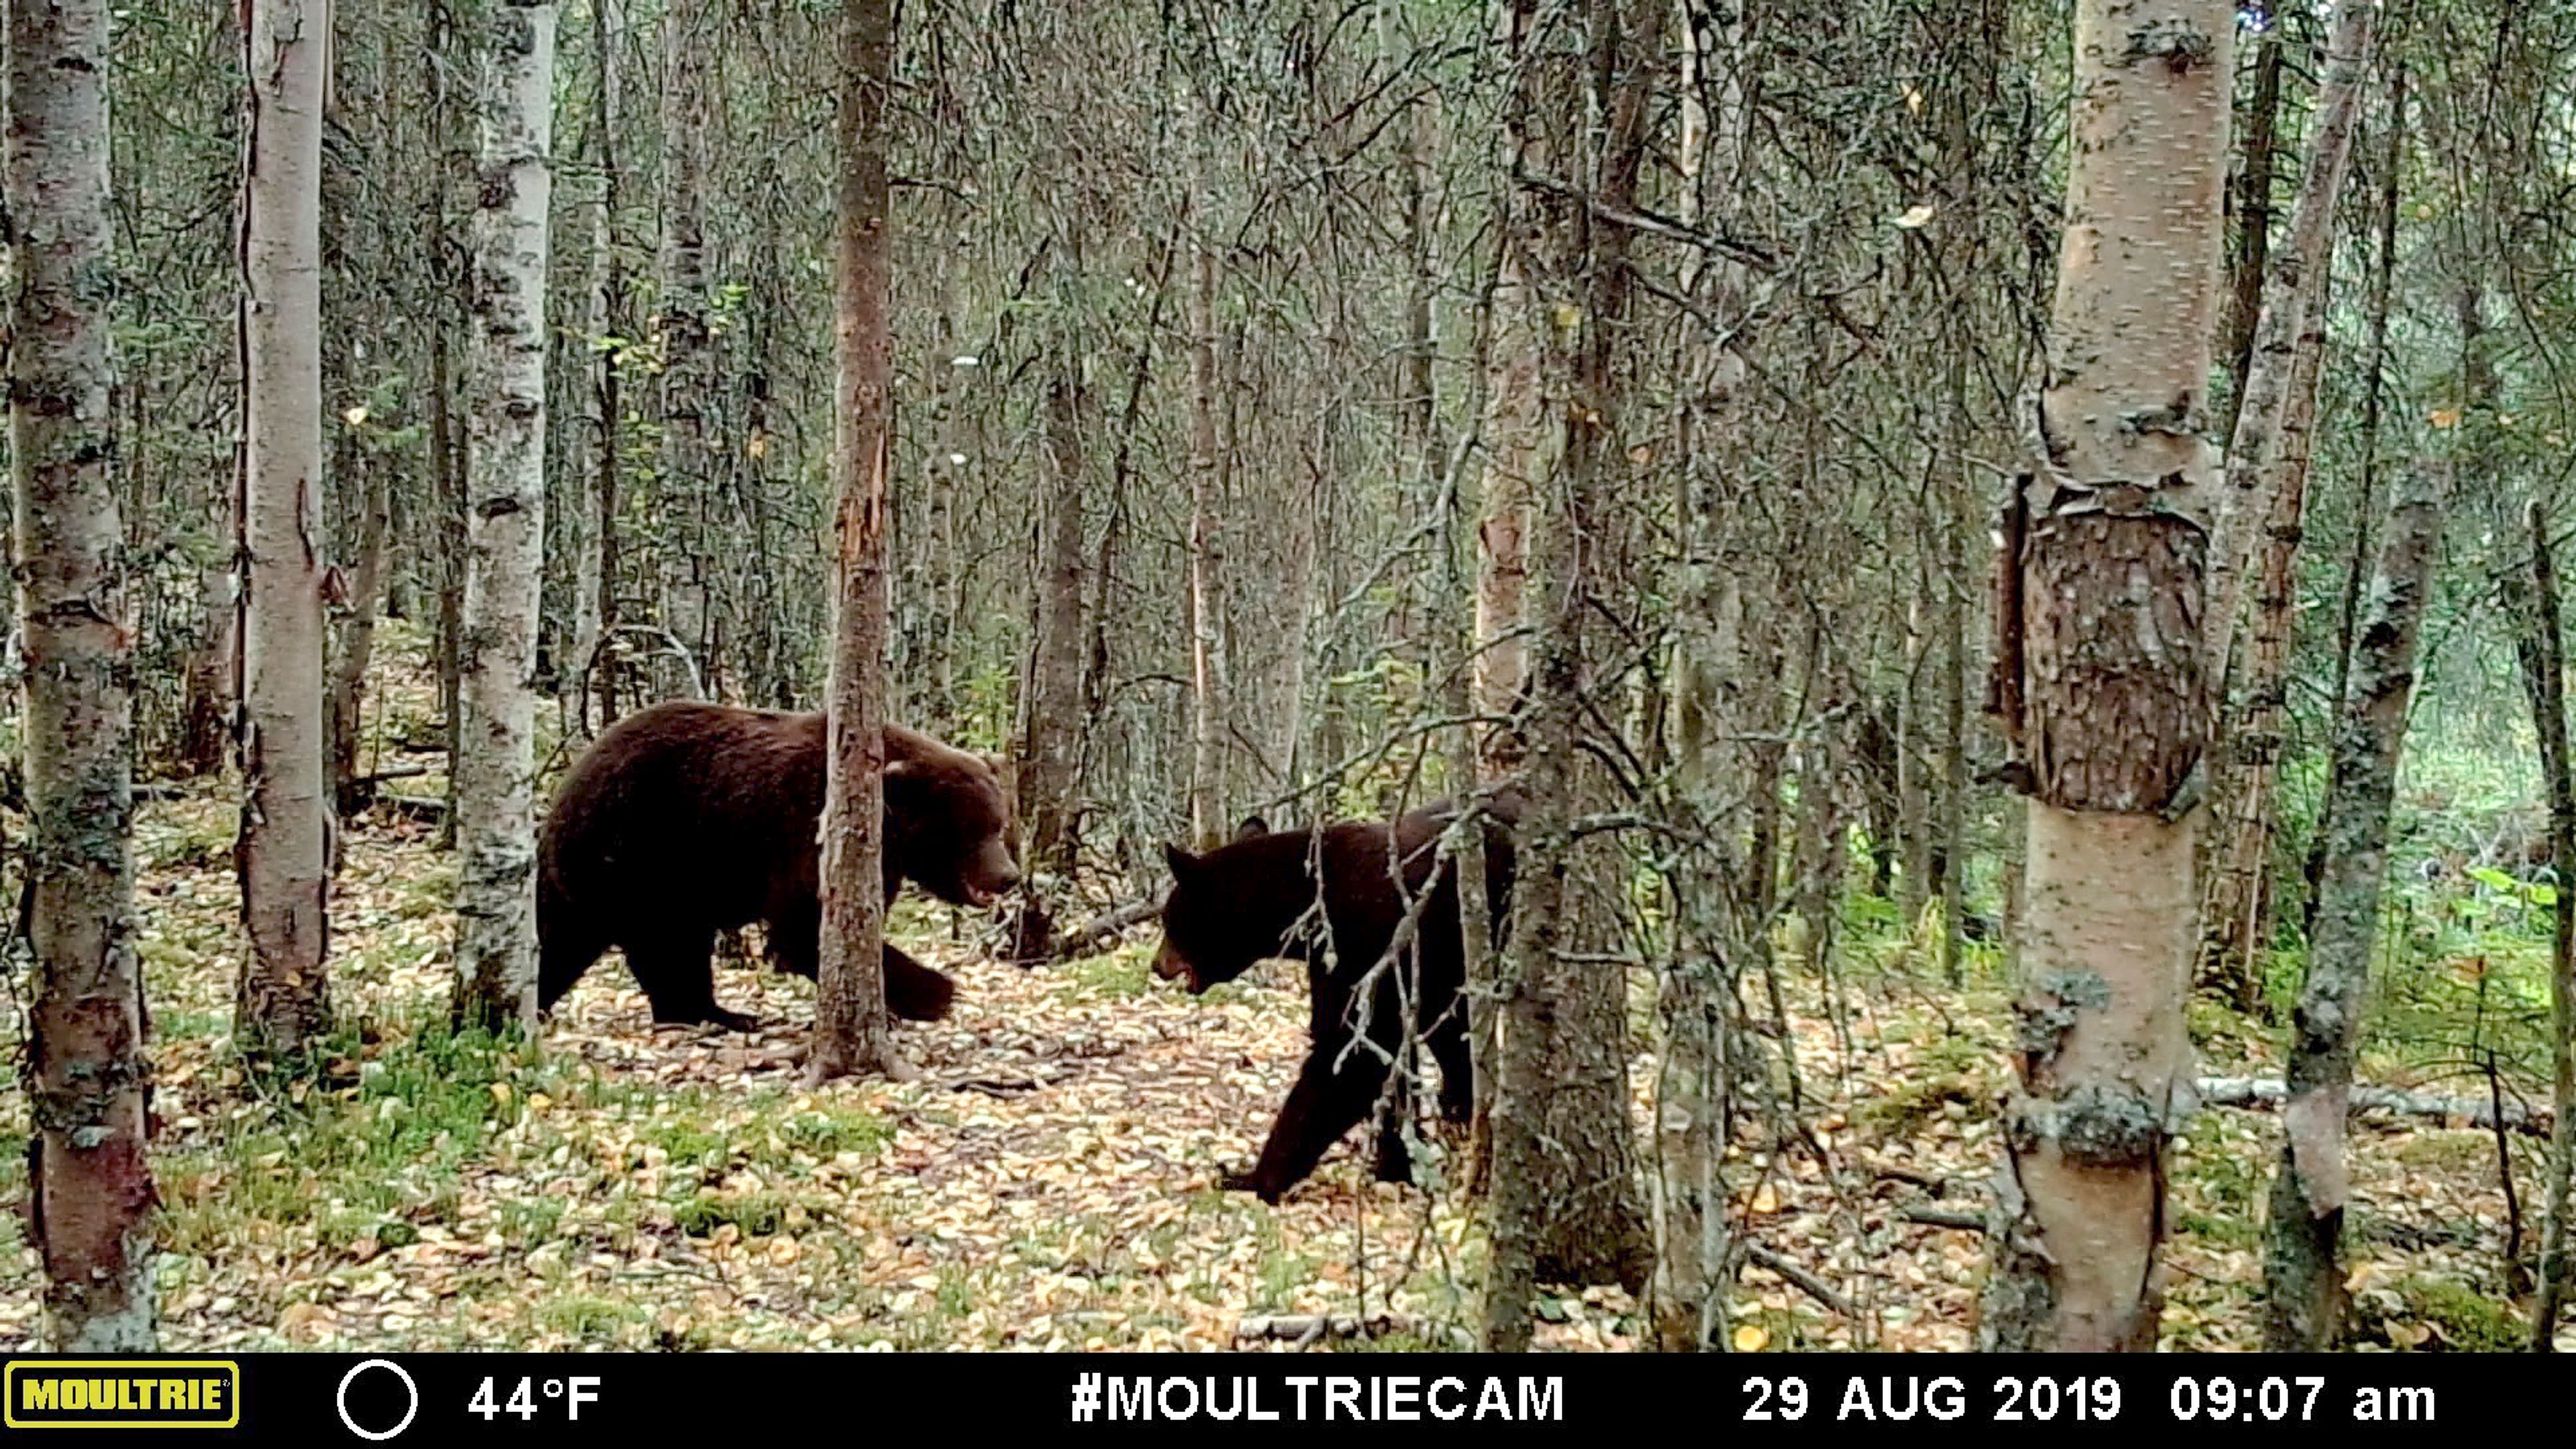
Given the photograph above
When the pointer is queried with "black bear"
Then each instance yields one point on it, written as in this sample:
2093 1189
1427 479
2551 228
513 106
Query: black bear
686 819
1254 899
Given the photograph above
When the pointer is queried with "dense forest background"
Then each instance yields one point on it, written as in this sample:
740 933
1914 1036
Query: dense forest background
1310 410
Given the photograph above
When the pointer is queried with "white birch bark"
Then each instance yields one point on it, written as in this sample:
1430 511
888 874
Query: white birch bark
496 921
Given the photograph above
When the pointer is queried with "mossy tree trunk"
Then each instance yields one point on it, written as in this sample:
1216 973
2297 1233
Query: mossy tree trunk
89 1187
2303 1281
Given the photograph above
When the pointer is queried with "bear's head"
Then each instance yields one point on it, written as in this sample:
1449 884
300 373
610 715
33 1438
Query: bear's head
949 823
1205 940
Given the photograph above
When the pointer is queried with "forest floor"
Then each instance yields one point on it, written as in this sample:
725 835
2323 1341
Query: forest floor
1048 1181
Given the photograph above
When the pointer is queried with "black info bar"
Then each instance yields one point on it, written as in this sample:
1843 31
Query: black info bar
626 1399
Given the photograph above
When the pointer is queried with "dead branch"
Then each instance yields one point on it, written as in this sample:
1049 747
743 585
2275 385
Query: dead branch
2255 1092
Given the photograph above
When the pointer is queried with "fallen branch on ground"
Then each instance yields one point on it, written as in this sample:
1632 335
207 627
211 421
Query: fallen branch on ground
1814 1287
1304 1329
1104 928
1969 1220
2265 1092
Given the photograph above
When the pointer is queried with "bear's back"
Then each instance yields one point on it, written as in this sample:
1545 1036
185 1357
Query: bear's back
706 798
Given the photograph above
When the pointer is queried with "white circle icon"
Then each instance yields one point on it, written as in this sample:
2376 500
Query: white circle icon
411 1391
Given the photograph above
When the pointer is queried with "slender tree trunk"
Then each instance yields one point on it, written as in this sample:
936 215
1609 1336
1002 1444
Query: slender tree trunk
1055 715
2253 214
285 849
1952 871
2383 276
1207 671
1692 1104
357 631
2291 326
2303 1279
851 1031
688 381
496 896
1417 389
609 37
1516 452
2238 902
2104 681
587 531
89 1185
1913 800
206 718
447 286
2544 661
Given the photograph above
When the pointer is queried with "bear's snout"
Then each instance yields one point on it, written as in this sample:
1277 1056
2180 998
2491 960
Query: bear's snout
1172 966
993 876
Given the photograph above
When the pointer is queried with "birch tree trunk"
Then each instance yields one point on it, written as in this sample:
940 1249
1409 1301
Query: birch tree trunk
2104 677
2544 669
609 38
2302 1270
851 1031
585 534
1055 709
285 849
1207 662
688 381
89 1186
495 765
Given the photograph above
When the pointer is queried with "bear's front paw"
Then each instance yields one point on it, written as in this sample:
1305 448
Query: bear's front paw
1250 1182
731 1020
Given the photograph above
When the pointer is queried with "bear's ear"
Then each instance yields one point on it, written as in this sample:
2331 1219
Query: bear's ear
1252 825
1183 864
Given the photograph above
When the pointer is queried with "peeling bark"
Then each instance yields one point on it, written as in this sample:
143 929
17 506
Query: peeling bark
2113 716
851 1031
90 1192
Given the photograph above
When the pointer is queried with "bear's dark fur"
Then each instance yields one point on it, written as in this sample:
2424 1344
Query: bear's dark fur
686 819
1253 899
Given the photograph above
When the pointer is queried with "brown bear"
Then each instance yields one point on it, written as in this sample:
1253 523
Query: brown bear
685 819
1254 899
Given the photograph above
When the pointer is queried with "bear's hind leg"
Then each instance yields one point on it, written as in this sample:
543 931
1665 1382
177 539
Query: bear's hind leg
675 968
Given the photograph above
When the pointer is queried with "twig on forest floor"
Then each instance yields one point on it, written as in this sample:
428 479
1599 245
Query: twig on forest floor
1808 1283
